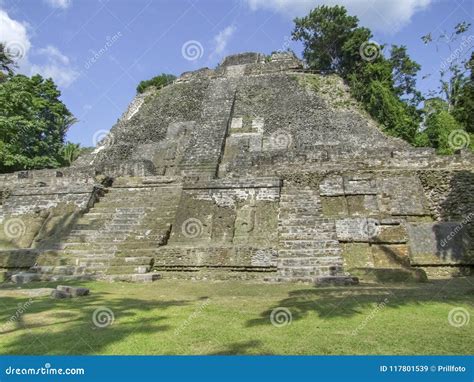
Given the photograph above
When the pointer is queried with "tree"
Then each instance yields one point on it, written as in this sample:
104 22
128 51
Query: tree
158 82
333 41
69 153
454 66
33 123
7 64
440 125
464 108
404 71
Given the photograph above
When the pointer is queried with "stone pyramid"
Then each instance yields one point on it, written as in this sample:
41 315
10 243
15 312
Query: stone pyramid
258 169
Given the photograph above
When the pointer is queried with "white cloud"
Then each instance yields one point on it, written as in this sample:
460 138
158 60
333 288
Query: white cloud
61 4
57 66
53 54
380 15
221 40
15 37
52 62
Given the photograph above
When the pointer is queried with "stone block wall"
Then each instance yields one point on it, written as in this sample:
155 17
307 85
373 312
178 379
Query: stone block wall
254 169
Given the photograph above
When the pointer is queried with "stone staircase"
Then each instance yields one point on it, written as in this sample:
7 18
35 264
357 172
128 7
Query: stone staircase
309 250
205 150
114 239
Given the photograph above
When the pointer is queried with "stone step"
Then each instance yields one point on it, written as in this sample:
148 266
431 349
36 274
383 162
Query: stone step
300 210
292 279
302 272
308 244
67 270
97 269
311 252
105 253
26 277
291 216
288 236
109 213
309 261
337 280
136 278
93 261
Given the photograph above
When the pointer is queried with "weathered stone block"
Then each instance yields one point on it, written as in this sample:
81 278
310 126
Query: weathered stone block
332 186
356 229
404 195
334 206
17 258
390 234
73 291
23 278
439 243
360 186
357 255
60 294
390 256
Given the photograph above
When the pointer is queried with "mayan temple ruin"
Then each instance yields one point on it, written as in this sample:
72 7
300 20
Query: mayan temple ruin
256 170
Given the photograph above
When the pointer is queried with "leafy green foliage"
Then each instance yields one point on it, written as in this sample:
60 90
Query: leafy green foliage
157 82
333 41
33 123
439 124
464 108
69 153
7 64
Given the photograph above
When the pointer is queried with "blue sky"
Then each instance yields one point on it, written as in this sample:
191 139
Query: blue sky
98 51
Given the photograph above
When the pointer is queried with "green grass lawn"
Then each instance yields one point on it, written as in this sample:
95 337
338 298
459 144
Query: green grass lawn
191 317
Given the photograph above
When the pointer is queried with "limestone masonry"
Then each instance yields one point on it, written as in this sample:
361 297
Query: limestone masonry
258 169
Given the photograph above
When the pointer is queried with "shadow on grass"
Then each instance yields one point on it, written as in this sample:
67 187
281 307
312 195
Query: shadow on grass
82 325
241 348
330 303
